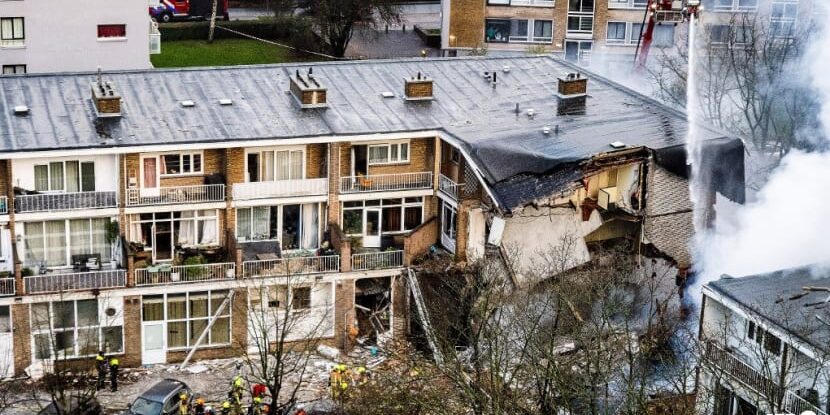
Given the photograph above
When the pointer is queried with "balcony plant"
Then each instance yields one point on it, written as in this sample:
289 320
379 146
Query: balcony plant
192 272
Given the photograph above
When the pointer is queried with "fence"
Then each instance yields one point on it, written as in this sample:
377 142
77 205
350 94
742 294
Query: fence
291 266
166 274
449 187
377 260
75 281
386 182
179 194
6 286
281 188
64 201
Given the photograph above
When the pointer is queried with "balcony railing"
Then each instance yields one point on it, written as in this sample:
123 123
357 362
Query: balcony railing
4 205
179 194
538 3
291 266
46 202
386 182
6 286
449 187
281 188
737 369
75 281
177 274
377 260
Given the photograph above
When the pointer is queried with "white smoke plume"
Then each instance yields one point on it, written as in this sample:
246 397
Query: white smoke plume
788 223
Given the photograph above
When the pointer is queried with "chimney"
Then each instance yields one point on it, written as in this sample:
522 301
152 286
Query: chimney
572 85
307 90
418 88
106 98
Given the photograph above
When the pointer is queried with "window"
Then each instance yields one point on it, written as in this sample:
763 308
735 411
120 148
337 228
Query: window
498 2
295 226
5 319
72 329
189 228
188 315
727 34
769 341
455 156
11 31
518 31
730 5
184 163
300 298
47 241
14 69
634 33
584 6
663 36
497 31
542 30
581 24
612 4
106 31
389 153
270 165
782 19
616 32
65 176
397 215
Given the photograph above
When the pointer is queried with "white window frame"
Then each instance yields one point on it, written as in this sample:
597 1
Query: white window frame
136 222
68 242
64 179
524 3
16 69
274 151
625 39
15 40
734 7
730 29
182 154
627 4
389 159
402 205
784 20
207 342
52 330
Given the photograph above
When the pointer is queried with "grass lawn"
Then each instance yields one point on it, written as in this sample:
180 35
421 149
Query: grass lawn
221 52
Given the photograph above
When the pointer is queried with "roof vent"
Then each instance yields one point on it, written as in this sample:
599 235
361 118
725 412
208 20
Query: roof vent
418 88
307 90
387 94
21 110
106 98
572 85
225 101
187 103
617 144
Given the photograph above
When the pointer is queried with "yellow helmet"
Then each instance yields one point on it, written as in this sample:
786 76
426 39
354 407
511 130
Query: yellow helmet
226 404
183 395
257 399
200 401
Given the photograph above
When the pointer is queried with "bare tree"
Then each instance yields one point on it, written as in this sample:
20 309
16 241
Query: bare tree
336 20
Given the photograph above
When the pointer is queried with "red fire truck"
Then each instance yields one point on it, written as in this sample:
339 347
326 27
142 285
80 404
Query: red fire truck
169 10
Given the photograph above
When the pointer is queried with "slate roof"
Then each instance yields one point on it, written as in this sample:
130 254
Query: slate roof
503 144
774 296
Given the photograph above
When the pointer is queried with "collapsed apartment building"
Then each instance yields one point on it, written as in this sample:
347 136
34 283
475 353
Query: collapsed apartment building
152 214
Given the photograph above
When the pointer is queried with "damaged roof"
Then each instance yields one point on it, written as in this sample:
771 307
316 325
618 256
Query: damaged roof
504 144
779 297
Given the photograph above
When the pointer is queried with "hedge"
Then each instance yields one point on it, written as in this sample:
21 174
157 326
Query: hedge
274 29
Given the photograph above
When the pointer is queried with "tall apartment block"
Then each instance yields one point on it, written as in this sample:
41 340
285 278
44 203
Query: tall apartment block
68 36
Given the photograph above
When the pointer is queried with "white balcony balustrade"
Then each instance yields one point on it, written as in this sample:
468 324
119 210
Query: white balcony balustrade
174 195
177 274
449 187
377 260
281 188
51 202
386 182
291 266
6 286
75 281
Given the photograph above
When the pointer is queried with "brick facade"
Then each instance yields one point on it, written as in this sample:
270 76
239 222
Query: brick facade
132 332
343 310
22 341
420 239
466 23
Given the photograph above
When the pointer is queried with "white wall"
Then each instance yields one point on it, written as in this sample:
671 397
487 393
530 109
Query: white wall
62 35
106 169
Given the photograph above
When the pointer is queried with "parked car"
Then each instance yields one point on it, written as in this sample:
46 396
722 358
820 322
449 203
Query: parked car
87 407
161 399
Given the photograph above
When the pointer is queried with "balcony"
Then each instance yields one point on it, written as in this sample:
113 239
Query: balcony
386 182
6 286
281 188
173 195
177 274
51 202
733 366
284 267
537 3
4 205
377 260
449 187
75 281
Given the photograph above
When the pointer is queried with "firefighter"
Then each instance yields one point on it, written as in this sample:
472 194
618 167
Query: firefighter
101 367
256 406
184 405
226 407
114 363
199 408
360 376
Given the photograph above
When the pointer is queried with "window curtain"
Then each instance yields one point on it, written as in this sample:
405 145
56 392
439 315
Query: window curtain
261 227
56 241
310 226
73 176
243 224
296 164
283 165
391 219
207 231
56 176
100 244
34 242
185 234
79 237
268 166
42 178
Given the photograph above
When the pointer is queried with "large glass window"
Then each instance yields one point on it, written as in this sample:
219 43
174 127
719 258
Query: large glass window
68 176
397 215
72 329
497 30
11 31
542 30
389 153
181 163
782 18
189 228
188 315
295 226
270 165
47 242
616 32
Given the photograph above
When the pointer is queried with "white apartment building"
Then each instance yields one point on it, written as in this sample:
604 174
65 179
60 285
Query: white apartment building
67 36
